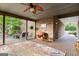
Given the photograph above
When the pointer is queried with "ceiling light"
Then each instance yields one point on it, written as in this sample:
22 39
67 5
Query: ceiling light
31 9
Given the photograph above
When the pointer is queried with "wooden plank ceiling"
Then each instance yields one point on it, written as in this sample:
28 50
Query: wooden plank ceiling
50 9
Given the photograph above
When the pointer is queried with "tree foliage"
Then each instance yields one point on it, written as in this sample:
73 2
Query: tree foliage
70 27
12 24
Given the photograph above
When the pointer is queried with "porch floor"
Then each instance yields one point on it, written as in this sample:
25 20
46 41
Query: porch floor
65 44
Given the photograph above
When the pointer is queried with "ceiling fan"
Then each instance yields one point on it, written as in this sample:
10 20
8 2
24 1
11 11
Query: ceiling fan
33 7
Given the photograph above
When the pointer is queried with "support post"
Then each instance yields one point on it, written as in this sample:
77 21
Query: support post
3 30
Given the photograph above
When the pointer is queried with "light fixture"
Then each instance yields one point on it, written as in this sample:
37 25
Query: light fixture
56 23
31 9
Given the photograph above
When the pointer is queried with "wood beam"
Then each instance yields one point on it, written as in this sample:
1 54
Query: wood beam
14 15
68 14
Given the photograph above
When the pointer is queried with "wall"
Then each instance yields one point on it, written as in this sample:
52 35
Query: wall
31 32
71 20
58 30
55 28
61 30
49 27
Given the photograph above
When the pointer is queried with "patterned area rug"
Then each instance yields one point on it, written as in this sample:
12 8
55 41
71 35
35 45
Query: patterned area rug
29 48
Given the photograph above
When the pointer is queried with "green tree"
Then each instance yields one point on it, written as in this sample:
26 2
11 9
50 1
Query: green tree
70 27
12 24
1 22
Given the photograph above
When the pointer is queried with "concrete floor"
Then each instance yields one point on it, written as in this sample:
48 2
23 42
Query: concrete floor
65 43
11 40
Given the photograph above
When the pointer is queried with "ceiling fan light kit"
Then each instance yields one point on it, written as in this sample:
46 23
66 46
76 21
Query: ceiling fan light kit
34 8
31 9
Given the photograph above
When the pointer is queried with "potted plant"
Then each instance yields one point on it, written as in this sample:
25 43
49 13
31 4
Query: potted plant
31 27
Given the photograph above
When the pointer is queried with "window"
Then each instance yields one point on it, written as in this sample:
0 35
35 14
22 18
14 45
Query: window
43 26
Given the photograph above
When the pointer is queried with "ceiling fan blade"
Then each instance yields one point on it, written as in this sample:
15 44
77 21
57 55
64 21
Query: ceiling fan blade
34 12
39 8
26 9
35 7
